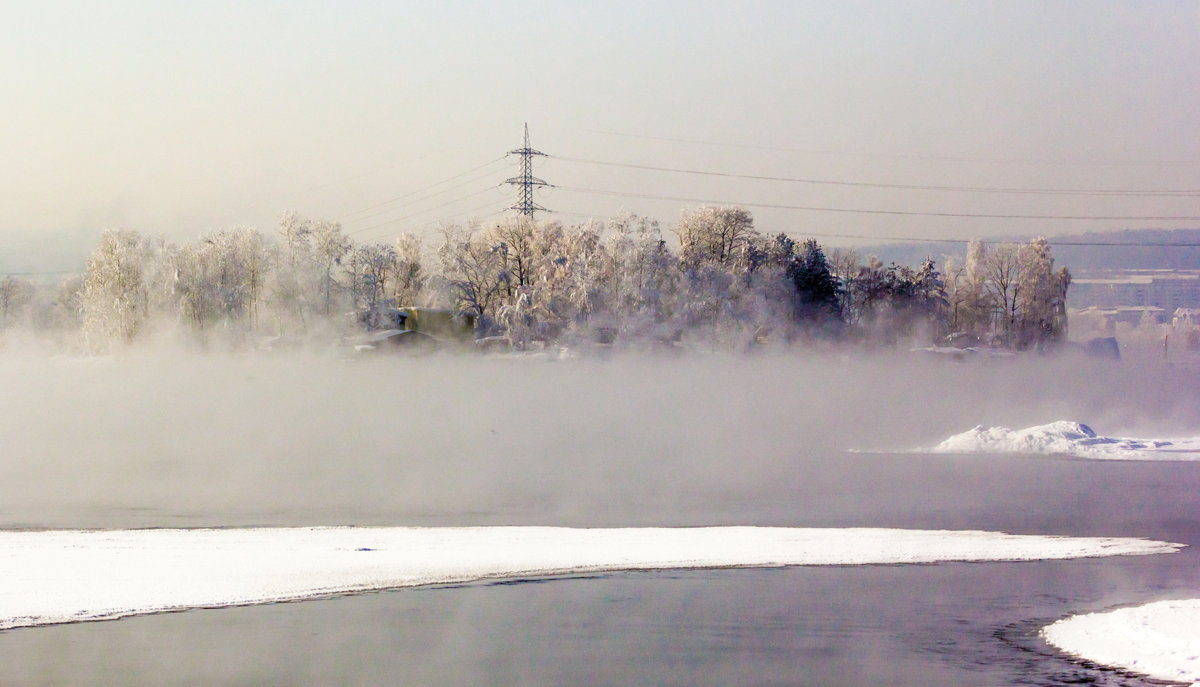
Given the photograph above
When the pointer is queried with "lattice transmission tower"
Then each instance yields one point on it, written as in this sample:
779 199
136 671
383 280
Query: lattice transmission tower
526 182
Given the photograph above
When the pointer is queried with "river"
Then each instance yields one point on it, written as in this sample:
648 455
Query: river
196 442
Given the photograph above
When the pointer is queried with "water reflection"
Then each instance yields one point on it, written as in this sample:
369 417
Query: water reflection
946 624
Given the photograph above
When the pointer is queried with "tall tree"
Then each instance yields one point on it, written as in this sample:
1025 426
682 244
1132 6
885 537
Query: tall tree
714 235
475 270
115 299
1041 297
816 289
1002 271
329 245
408 277
376 262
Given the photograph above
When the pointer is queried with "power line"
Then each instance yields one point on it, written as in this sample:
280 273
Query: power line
472 211
902 213
425 188
421 199
897 156
427 210
917 187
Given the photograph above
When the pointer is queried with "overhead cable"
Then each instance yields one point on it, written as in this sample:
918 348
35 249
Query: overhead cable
903 213
422 212
896 156
414 201
424 188
916 187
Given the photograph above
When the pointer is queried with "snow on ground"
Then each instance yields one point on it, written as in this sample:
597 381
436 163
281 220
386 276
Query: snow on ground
1161 640
1068 438
65 576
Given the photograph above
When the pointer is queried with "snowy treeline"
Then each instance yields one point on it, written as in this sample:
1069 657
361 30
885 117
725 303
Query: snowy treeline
1011 292
717 281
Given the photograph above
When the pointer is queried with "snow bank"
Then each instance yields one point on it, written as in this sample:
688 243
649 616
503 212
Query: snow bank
1068 438
64 576
1161 640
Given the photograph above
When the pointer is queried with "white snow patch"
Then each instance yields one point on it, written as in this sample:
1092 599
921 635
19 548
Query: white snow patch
65 576
1068 438
1161 640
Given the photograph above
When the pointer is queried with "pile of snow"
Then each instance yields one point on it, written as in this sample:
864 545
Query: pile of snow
1161 640
67 576
1068 438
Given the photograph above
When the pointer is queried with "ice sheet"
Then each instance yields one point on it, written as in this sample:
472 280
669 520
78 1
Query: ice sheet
64 576
1161 640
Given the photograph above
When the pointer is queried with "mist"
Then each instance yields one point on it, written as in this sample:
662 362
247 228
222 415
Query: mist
188 440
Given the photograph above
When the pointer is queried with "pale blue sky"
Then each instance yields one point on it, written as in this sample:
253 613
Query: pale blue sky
183 117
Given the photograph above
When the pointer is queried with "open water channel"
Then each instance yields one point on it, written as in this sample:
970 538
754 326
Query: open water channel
199 442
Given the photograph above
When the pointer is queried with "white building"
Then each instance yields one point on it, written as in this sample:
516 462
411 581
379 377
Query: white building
1166 289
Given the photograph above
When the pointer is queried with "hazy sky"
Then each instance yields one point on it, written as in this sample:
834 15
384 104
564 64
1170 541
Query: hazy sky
183 117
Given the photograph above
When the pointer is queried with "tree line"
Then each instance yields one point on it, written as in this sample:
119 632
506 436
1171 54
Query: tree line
720 282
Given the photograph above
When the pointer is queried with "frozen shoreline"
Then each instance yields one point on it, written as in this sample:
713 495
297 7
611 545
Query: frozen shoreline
1160 640
69 575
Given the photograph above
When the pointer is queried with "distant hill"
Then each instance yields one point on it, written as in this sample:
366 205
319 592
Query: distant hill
1118 250
1150 253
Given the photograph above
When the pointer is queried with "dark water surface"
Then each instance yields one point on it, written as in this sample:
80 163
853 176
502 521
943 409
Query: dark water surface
944 624
666 444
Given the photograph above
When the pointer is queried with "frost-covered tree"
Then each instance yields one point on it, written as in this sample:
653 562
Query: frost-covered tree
475 270
1008 293
970 307
408 277
714 235
304 281
718 253
375 263
15 295
220 280
115 299
198 285
645 277
295 230
515 237
579 275
1003 268
289 286
329 244
1041 297
257 258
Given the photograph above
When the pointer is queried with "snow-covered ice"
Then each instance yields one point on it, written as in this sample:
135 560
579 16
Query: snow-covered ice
1161 640
1071 439
71 575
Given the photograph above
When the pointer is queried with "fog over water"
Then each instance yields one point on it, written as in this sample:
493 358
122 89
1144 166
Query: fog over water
151 440
157 439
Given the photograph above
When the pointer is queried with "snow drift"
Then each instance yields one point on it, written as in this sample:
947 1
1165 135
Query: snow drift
1161 640
1071 439
70 575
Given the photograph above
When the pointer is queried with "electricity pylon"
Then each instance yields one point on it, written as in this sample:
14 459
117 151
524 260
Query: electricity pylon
526 182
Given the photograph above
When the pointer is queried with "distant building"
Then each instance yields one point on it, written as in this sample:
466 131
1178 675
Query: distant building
1106 319
1185 317
1165 289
